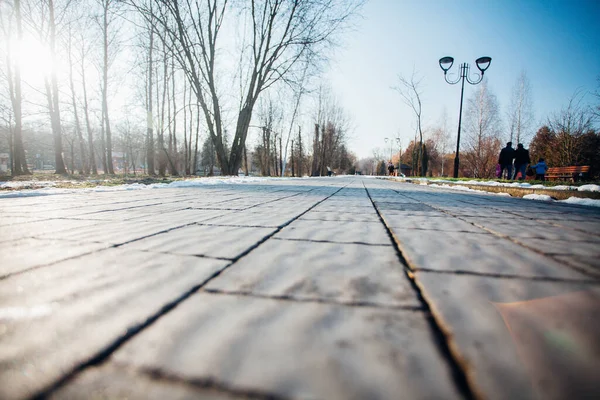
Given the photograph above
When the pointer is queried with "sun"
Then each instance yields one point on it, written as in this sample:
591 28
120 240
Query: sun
33 59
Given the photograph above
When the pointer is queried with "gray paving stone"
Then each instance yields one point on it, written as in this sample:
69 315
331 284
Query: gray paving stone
179 216
295 350
47 226
115 233
473 252
261 219
213 241
119 382
336 231
525 232
442 223
341 216
335 207
591 227
54 318
567 247
24 254
520 339
345 273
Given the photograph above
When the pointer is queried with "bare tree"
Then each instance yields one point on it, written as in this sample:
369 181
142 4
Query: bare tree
51 82
84 49
570 124
410 89
107 24
13 72
520 112
482 126
83 165
281 32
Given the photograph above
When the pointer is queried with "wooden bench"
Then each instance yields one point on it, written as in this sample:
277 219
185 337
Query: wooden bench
572 173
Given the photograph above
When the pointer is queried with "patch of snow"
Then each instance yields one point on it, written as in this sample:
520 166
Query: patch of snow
542 197
582 201
51 190
26 184
459 188
589 188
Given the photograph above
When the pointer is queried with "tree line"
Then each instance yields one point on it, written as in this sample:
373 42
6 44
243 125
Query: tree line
567 137
165 87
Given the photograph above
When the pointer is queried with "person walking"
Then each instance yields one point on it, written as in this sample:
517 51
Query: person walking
521 161
505 160
391 168
540 170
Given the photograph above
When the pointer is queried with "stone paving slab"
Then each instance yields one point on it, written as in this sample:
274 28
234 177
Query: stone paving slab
474 252
295 350
440 223
520 339
45 226
116 233
336 231
115 382
203 240
54 318
24 254
341 216
345 273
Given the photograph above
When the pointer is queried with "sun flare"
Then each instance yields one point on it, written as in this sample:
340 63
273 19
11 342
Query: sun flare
33 58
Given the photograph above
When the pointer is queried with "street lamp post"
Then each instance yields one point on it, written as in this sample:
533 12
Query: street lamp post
483 64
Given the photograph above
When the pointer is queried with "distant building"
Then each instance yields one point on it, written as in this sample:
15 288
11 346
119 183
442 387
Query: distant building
406 169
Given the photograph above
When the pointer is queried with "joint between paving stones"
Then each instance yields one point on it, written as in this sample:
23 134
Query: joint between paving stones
208 383
332 241
291 298
459 367
132 331
507 276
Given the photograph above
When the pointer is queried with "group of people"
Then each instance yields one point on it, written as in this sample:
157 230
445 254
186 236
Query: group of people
521 159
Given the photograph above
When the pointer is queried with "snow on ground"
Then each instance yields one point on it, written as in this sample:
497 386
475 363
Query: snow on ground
48 188
571 200
516 184
542 197
464 189
582 201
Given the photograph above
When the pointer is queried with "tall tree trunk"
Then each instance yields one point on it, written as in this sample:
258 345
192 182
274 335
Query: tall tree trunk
16 97
173 121
106 119
149 100
195 164
160 104
82 165
185 133
92 166
53 98
103 144
292 159
299 153
316 152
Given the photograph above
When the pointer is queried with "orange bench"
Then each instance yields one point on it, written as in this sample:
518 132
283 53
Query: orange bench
573 173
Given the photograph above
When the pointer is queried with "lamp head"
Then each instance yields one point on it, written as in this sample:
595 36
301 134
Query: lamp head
446 63
483 63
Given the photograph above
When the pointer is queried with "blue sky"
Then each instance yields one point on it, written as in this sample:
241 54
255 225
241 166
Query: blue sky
556 42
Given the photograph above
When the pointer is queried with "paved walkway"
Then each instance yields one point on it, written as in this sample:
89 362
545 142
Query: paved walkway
338 288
